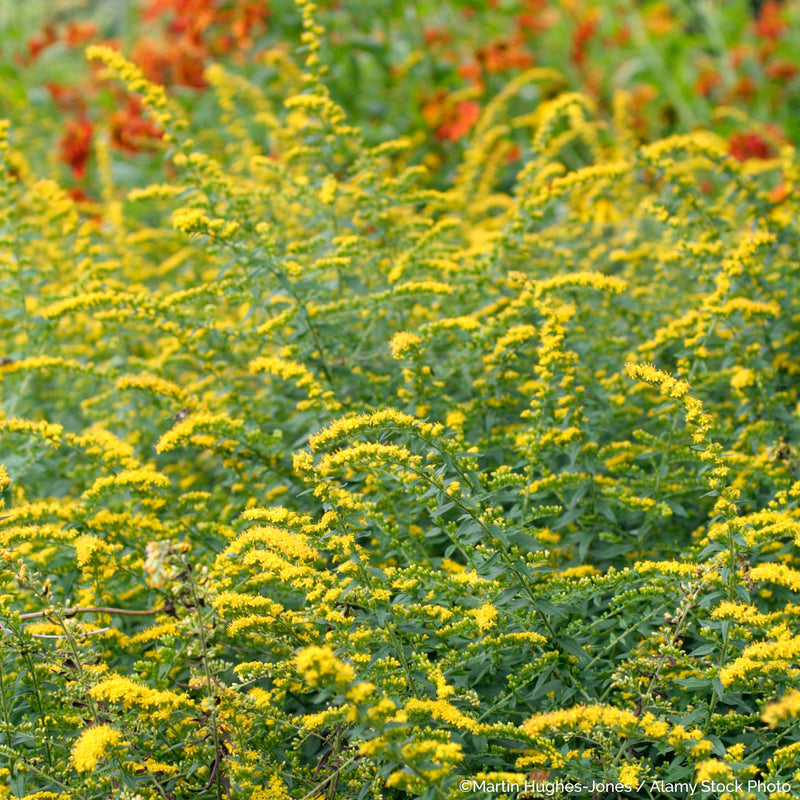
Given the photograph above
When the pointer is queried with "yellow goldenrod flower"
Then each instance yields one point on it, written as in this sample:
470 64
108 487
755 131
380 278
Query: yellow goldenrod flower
404 343
200 422
319 666
139 479
629 774
712 769
118 689
486 617
88 548
288 370
93 745
788 707
444 711
667 384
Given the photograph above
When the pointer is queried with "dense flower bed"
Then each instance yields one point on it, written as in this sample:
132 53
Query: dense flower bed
343 462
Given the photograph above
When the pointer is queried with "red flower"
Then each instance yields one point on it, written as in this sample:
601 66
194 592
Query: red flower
41 41
744 146
581 37
781 70
66 98
744 89
79 195
75 145
132 131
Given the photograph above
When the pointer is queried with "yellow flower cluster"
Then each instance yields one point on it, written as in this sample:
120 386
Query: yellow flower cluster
387 418
712 770
370 453
288 370
153 95
672 387
787 707
443 711
182 433
99 442
142 479
193 220
156 386
94 745
779 574
404 343
319 666
119 689
486 617
89 548
763 657
49 432
88 301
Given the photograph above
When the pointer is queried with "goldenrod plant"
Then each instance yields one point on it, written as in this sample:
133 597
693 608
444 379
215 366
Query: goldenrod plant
324 481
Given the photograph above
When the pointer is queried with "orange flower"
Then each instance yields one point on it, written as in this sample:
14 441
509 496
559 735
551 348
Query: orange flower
472 72
581 37
769 24
78 33
539 16
739 53
437 35
503 55
177 63
779 193
621 37
451 122
460 123
642 95
708 81
215 27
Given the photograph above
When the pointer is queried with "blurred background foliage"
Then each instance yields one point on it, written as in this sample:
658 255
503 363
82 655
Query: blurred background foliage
420 68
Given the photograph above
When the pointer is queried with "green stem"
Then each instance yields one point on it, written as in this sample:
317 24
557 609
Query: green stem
201 631
39 704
